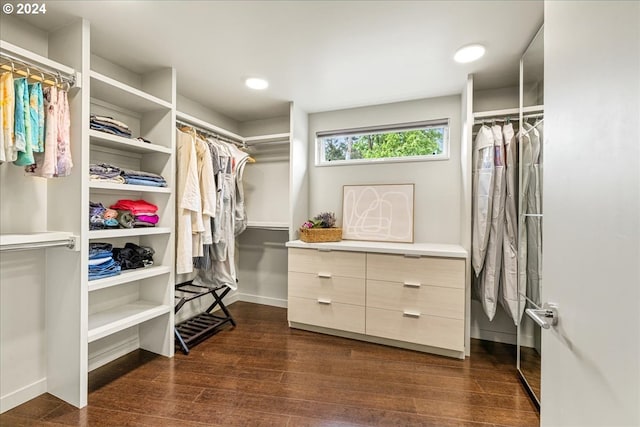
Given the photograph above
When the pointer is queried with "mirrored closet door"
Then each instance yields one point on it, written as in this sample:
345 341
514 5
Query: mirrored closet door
530 212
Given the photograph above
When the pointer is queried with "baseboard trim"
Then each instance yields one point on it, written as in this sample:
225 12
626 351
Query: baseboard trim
112 353
259 299
22 395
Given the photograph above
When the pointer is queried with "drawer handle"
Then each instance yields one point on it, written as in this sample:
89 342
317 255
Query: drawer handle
324 301
413 314
324 275
411 255
412 285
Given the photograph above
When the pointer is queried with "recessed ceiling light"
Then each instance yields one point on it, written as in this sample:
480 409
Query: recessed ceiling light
469 53
256 83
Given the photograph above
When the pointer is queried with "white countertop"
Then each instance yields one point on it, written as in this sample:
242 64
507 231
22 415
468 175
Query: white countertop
414 249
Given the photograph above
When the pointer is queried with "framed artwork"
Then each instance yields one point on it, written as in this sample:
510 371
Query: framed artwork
382 213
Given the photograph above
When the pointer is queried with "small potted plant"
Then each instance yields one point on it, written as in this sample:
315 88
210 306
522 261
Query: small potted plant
322 228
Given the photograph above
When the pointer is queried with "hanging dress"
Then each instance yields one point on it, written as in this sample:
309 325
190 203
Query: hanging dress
483 169
8 153
508 294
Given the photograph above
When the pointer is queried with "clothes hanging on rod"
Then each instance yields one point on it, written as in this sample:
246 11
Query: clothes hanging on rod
211 210
530 255
35 127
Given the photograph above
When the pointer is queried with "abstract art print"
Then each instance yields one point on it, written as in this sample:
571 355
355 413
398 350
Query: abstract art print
382 213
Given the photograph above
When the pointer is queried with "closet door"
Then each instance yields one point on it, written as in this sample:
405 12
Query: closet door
530 213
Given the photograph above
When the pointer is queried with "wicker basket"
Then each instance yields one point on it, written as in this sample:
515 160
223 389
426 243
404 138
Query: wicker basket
316 235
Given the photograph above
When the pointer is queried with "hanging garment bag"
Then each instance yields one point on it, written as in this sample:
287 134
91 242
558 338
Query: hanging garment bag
489 280
508 294
533 222
483 169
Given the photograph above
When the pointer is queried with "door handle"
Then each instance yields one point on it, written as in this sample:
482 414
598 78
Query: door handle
546 317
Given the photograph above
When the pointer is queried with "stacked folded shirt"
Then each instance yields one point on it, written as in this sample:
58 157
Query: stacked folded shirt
101 217
101 262
109 125
136 213
106 172
111 173
133 256
143 178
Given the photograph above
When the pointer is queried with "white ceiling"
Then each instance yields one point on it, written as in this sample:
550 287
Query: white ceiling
324 55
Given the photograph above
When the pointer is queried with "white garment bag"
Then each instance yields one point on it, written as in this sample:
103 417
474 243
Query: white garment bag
533 223
489 281
508 294
483 169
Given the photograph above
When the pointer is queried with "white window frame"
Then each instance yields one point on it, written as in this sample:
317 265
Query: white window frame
385 129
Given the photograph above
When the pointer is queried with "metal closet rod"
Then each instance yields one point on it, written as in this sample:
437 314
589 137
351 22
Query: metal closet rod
506 118
69 243
56 77
211 133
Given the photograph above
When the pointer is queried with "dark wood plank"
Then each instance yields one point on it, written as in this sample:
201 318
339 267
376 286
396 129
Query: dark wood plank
262 373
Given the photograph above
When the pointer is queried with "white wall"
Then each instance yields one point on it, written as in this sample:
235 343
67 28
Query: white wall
438 184
187 106
591 360
265 126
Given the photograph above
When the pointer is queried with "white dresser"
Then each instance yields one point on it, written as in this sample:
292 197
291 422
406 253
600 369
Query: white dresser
406 295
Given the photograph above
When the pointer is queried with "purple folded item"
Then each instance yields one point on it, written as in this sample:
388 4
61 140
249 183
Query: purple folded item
151 219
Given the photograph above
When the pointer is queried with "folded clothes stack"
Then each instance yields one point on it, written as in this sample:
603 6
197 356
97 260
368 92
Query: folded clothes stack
143 178
136 213
101 262
106 172
111 173
109 125
101 217
133 256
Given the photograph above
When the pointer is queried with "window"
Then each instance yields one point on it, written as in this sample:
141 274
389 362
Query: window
403 142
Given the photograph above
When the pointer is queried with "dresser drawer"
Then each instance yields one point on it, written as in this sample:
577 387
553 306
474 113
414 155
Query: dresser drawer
424 271
332 263
345 317
347 290
426 330
428 300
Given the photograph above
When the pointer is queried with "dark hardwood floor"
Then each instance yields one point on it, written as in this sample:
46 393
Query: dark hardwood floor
264 374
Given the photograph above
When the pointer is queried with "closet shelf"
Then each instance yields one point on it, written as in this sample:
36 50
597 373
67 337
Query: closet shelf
128 187
128 276
107 322
103 139
28 238
276 138
207 126
127 232
268 225
36 59
120 94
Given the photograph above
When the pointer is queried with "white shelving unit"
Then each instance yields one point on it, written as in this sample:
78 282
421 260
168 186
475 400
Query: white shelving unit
136 304
108 322
127 232
129 187
127 276
119 143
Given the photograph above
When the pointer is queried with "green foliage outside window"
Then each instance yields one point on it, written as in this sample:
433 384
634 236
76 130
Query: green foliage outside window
420 142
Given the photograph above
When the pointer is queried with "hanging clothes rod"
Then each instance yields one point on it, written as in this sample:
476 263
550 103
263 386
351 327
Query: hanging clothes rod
69 243
55 77
210 133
